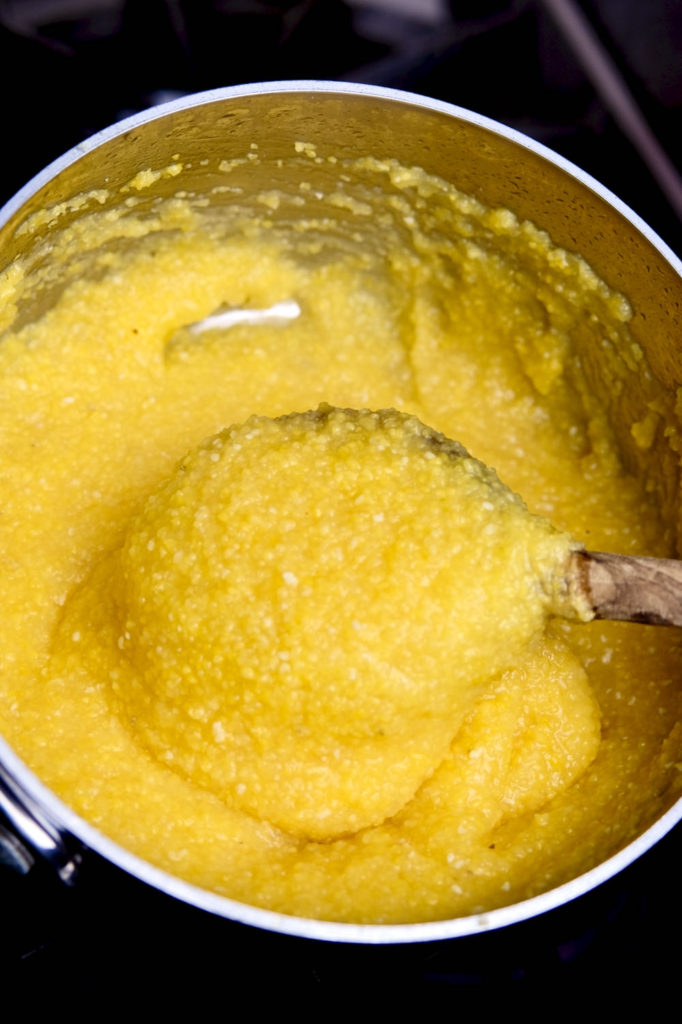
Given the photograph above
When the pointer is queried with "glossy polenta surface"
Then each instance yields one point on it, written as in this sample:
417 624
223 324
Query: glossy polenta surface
237 730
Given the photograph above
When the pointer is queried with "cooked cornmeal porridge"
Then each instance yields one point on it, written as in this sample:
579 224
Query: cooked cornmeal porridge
301 617
302 655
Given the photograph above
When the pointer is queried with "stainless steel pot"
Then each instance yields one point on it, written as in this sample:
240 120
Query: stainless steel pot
487 160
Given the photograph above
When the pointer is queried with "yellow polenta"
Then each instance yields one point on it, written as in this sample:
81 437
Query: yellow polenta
277 658
305 612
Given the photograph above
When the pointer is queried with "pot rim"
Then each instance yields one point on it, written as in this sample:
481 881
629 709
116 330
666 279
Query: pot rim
70 824
197 99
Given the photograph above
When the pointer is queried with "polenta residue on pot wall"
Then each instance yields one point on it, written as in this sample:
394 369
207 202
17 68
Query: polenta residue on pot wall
412 296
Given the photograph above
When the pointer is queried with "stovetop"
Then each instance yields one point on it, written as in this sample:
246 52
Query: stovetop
70 68
616 943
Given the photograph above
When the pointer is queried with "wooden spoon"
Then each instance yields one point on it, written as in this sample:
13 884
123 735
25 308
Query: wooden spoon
628 588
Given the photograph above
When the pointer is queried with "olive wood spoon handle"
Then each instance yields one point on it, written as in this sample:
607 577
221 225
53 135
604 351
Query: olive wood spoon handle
628 588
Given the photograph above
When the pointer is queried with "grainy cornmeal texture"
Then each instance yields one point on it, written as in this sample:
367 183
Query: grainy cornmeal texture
154 693
306 618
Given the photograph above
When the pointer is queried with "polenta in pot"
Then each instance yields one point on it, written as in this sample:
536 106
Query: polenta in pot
253 637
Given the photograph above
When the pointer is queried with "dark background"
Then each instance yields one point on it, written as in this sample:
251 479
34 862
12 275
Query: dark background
72 67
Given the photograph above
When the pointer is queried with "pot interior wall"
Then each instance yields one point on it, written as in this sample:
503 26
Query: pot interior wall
487 165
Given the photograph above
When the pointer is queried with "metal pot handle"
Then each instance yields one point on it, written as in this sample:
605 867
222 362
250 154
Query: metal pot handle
33 828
